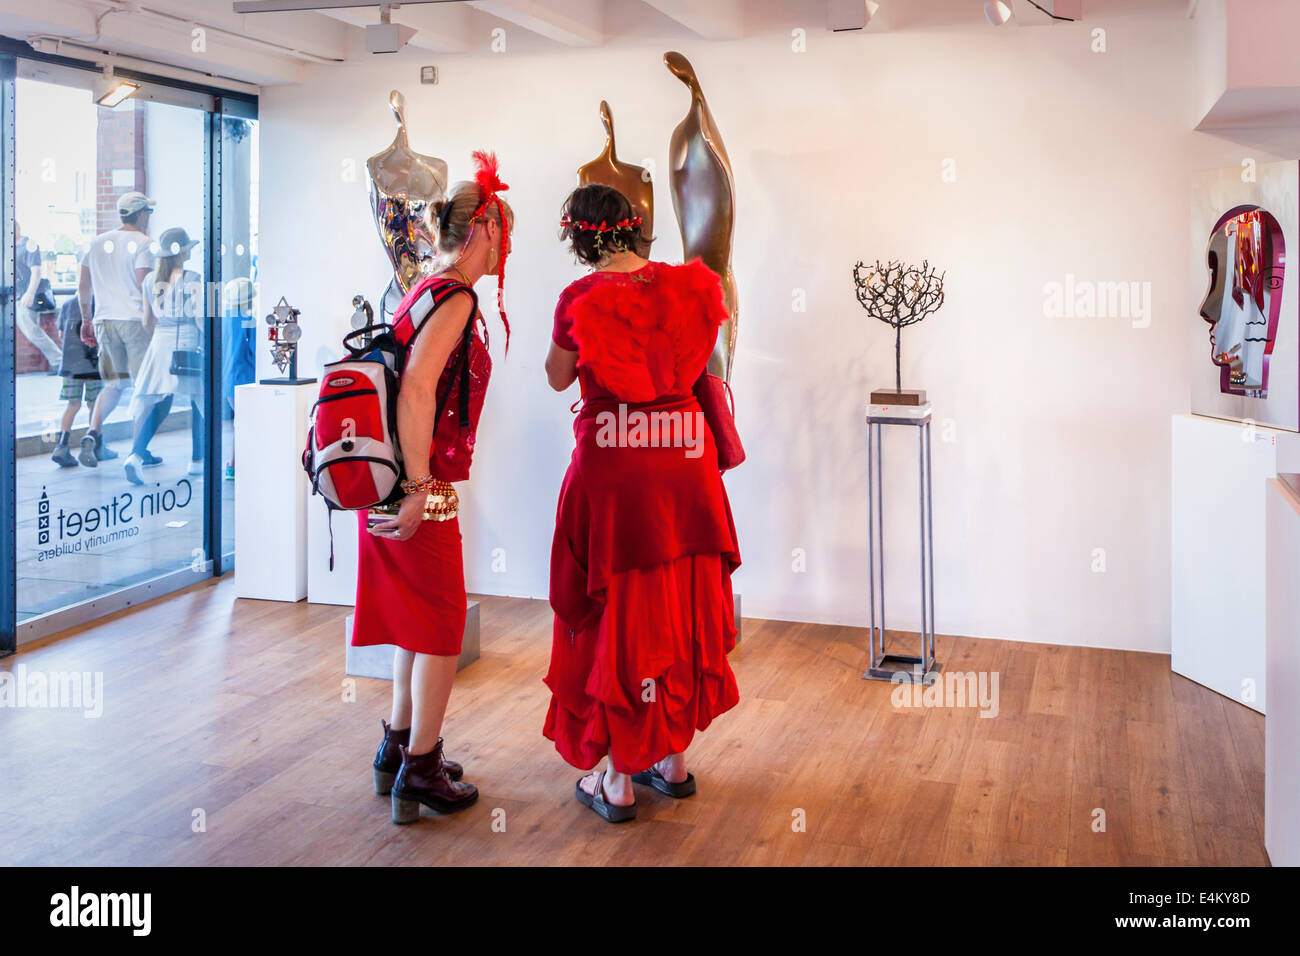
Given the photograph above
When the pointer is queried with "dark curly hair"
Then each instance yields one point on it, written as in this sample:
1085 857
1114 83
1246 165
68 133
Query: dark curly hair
597 203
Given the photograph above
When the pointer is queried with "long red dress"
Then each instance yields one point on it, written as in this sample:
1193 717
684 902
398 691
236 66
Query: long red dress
644 542
412 593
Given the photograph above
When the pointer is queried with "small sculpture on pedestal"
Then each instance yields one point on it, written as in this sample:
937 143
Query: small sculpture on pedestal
363 316
284 332
898 295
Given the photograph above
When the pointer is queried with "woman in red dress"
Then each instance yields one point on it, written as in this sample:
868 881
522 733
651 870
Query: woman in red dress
411 577
644 543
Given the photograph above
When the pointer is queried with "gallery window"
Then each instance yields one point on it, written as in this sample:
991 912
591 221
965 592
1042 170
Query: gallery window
140 196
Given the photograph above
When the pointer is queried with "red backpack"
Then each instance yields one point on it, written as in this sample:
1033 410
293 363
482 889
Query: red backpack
353 455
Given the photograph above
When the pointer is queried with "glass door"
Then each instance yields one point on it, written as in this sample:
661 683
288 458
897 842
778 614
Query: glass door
129 223
236 137
8 314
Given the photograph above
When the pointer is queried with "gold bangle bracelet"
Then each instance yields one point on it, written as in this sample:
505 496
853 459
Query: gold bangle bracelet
441 505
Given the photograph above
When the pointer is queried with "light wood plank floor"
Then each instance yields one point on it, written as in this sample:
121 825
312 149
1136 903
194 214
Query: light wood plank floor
232 714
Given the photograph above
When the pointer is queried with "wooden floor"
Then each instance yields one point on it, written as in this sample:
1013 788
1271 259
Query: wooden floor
229 717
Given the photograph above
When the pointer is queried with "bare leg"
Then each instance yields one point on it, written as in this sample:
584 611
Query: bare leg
70 415
673 768
104 406
400 719
431 679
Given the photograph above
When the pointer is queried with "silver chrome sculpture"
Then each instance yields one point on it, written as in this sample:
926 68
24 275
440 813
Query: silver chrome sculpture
403 185
284 332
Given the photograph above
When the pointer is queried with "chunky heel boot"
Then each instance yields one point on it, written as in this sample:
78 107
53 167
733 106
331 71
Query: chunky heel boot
423 779
389 759
405 811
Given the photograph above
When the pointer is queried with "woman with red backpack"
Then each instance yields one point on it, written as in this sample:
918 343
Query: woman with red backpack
411 577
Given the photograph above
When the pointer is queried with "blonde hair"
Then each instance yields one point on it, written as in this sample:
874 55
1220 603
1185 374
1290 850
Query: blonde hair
450 217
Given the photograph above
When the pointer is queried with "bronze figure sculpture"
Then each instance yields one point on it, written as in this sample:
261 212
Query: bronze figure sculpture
632 181
704 198
404 185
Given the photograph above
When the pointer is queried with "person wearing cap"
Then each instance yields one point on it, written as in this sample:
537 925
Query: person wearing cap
111 274
172 365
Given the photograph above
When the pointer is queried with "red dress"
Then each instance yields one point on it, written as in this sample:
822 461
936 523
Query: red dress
644 543
412 593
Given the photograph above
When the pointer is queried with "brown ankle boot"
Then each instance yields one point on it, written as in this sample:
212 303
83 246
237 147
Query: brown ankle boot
423 779
389 759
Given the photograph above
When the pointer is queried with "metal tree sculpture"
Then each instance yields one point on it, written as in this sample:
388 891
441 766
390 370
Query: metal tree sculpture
899 295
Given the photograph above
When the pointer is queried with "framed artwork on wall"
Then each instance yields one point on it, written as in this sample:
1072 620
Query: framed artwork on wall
1244 341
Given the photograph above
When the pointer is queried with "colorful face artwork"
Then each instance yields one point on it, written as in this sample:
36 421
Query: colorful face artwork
1246 259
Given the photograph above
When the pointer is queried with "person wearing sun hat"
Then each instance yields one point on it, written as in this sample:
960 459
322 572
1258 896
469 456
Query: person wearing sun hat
111 273
172 366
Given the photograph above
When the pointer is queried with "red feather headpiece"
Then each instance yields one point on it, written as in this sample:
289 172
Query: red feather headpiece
488 179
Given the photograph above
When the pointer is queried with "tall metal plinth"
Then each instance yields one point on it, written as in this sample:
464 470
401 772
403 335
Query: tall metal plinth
882 666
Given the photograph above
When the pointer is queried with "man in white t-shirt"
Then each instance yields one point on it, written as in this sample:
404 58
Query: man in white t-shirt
111 274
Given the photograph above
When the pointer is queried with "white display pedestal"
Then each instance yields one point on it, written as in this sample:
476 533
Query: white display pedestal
1282 725
1220 470
271 491
324 586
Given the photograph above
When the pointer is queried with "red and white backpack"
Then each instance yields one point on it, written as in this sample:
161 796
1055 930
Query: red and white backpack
353 455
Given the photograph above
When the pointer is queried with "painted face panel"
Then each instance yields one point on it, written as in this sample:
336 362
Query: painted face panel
1246 259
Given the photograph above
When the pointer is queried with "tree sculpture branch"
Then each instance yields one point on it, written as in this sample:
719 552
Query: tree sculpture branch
898 295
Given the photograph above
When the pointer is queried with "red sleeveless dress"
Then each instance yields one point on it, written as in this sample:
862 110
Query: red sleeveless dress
644 542
412 593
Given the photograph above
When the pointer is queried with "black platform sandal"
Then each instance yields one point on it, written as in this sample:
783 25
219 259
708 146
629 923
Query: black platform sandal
653 778
596 801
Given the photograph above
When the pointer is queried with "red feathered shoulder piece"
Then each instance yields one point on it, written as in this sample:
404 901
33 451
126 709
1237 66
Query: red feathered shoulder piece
648 333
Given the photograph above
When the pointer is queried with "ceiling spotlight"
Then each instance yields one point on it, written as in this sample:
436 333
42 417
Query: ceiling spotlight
387 36
109 90
998 12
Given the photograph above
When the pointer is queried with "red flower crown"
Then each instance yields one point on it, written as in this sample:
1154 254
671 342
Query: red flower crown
568 222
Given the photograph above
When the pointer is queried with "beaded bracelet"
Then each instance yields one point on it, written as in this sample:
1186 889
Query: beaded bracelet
413 486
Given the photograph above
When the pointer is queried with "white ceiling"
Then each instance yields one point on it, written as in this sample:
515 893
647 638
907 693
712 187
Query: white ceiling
275 48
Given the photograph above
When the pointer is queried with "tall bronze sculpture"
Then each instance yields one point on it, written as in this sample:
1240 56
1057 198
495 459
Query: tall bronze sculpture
403 185
632 181
704 198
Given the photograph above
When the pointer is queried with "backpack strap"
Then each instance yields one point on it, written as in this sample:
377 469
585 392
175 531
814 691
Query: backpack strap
429 302
418 314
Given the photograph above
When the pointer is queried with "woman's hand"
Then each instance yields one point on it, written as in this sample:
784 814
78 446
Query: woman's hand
407 522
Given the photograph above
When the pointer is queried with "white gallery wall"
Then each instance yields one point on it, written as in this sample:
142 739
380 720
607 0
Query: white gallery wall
1012 158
